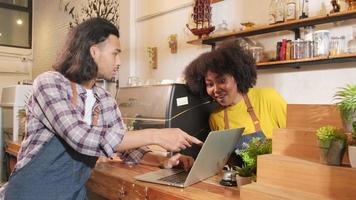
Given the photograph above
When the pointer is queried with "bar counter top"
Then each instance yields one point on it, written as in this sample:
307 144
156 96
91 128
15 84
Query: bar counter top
113 179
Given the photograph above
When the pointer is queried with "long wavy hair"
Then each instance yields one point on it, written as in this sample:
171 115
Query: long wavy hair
75 61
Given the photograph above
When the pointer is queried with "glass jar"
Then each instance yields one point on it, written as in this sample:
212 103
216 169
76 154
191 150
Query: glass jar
308 33
298 48
321 42
308 49
291 11
257 53
272 12
279 11
351 45
337 45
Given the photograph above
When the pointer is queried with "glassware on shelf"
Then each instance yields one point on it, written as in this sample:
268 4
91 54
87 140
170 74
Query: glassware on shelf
279 11
308 49
291 10
298 48
222 27
308 33
272 12
351 45
337 45
304 9
257 53
321 43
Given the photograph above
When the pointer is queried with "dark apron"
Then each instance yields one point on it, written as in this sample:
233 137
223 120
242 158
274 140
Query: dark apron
244 139
56 172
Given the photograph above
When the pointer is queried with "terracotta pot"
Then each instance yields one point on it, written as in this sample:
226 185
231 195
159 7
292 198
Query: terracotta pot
352 156
243 180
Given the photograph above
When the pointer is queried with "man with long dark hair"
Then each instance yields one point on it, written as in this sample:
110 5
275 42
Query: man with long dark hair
71 121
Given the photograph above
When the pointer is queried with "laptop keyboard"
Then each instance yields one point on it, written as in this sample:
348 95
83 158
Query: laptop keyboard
176 178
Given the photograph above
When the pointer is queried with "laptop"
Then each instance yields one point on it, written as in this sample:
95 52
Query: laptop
211 159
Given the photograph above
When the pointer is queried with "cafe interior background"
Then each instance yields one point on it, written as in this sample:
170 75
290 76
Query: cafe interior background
145 24
148 31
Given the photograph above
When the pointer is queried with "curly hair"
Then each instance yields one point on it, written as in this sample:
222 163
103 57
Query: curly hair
75 61
229 58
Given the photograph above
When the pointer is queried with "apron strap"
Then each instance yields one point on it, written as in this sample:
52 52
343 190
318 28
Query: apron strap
226 119
74 93
96 110
250 111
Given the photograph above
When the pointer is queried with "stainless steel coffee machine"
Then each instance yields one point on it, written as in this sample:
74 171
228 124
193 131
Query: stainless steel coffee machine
166 106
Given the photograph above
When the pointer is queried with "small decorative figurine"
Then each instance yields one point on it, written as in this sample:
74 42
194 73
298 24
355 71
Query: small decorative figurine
172 42
336 6
152 57
202 18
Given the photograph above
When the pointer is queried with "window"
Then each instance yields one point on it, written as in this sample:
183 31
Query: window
16 23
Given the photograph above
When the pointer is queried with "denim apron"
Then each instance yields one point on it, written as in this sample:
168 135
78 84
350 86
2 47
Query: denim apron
244 139
57 171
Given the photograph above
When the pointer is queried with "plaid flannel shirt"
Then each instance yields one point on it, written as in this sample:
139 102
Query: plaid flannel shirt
50 112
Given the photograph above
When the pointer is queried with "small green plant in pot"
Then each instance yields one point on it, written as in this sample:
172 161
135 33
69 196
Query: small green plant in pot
346 102
256 147
352 146
332 144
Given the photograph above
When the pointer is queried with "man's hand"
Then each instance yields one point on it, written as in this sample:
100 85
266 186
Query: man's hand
178 159
174 139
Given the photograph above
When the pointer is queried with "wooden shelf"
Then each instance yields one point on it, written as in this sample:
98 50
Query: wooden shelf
289 25
215 1
307 61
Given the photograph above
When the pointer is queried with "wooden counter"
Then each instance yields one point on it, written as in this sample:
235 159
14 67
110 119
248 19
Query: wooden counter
113 179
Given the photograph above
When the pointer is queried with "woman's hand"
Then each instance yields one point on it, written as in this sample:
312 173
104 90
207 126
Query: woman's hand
178 159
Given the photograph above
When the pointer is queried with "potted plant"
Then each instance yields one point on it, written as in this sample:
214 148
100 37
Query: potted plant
352 146
244 174
332 144
257 146
346 103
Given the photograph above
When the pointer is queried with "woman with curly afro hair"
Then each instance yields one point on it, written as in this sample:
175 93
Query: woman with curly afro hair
228 75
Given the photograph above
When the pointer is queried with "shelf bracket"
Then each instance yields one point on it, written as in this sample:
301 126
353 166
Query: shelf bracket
296 33
213 46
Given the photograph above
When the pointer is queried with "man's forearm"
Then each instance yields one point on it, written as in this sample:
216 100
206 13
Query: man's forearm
135 139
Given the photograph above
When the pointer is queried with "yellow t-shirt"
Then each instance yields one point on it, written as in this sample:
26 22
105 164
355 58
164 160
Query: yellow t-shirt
268 104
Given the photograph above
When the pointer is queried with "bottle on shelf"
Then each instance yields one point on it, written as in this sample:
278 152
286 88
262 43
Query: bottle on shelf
272 12
291 10
308 33
304 9
351 45
279 11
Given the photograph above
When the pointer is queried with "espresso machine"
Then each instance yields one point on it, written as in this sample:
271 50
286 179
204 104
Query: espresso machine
166 106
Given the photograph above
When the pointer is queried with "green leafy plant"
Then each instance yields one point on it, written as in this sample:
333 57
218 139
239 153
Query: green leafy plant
346 98
256 147
244 171
353 134
327 134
